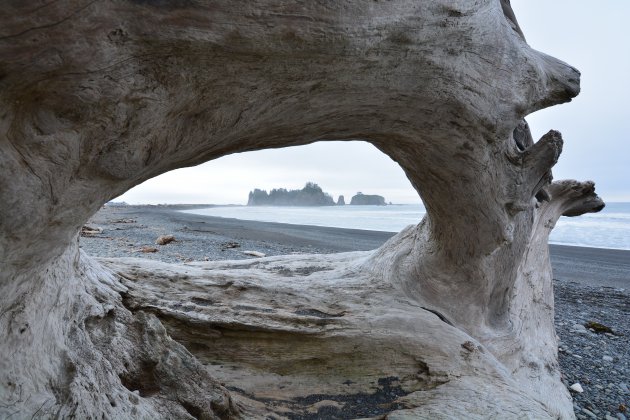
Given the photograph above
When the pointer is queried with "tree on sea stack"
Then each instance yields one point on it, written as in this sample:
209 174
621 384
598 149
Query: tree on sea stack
450 318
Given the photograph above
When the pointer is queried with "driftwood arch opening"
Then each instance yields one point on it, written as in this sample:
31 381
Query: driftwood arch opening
339 167
98 96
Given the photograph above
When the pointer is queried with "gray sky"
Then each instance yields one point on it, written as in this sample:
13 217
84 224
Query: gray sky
592 36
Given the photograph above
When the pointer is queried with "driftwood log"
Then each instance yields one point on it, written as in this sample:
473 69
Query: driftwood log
450 318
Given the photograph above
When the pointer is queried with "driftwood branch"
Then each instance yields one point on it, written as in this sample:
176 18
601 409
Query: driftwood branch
452 317
539 159
575 198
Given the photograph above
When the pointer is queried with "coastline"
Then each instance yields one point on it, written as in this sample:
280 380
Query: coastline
583 265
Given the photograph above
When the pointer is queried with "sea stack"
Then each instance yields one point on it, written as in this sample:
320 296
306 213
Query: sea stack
361 199
341 201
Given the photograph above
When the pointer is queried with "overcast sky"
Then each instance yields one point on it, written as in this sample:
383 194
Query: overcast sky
592 36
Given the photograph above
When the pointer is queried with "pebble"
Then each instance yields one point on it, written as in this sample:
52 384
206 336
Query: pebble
589 413
579 328
620 416
165 239
577 387
624 388
607 359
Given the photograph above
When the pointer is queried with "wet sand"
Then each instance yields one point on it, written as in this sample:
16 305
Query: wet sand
591 266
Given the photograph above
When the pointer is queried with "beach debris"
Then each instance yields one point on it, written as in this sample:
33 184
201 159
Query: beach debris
229 245
123 221
90 231
576 387
165 239
598 328
254 253
148 249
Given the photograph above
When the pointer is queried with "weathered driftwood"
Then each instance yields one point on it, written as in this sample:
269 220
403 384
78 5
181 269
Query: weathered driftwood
453 317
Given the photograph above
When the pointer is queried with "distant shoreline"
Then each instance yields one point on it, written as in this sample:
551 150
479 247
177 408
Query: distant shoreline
185 207
585 265
194 207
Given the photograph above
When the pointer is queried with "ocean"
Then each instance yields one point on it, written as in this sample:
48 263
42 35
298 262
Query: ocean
609 228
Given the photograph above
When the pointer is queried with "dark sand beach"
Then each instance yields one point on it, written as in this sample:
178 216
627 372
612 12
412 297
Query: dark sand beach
587 266
590 285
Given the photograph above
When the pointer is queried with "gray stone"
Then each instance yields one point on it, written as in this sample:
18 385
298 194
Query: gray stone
577 387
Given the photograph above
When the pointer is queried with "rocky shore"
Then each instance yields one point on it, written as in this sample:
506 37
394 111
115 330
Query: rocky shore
592 311
593 324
